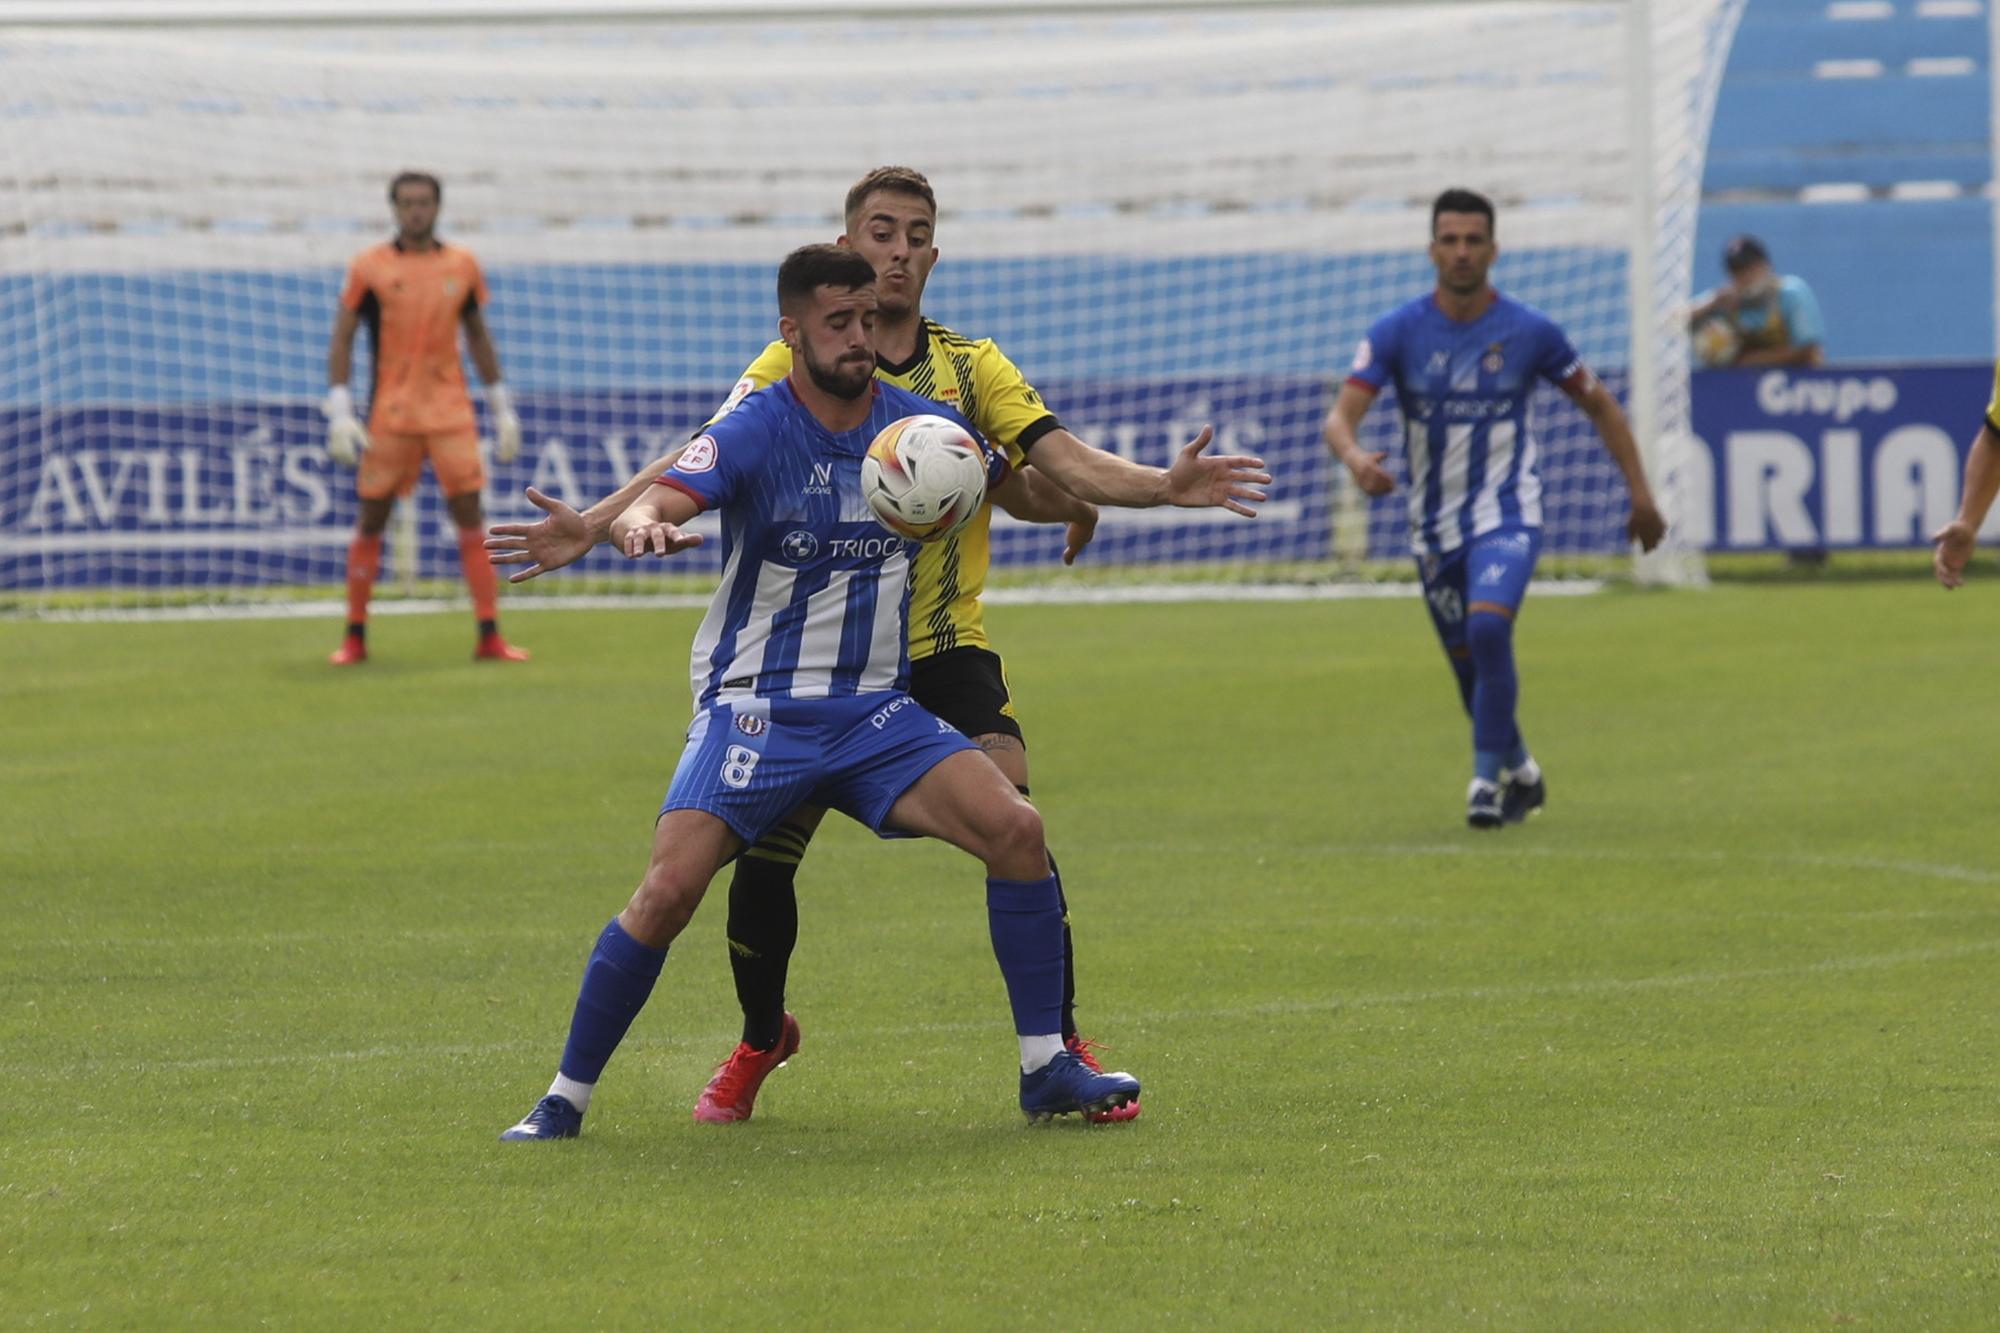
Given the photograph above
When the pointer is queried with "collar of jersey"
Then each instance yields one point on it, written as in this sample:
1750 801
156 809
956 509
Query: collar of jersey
917 356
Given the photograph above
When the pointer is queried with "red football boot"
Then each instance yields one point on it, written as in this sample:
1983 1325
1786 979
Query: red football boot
353 651
732 1093
493 648
1081 1047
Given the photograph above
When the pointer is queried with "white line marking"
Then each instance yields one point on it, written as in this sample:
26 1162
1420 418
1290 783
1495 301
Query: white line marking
550 1042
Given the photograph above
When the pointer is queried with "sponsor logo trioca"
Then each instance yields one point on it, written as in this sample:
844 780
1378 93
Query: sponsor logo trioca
866 548
1841 397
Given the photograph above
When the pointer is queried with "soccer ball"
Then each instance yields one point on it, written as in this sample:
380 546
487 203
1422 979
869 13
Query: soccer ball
924 478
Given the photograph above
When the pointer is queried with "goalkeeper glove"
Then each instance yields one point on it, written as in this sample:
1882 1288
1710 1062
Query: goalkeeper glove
346 438
506 425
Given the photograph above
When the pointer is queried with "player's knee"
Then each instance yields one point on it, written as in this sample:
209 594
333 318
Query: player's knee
665 900
1015 842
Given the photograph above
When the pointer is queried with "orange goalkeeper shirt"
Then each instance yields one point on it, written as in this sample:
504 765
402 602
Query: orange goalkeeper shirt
412 302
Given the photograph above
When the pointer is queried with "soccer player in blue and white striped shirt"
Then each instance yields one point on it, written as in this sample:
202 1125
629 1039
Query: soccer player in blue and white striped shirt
1464 360
801 670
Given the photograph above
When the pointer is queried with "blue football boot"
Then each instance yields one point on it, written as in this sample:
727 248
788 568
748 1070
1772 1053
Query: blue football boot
1066 1084
552 1118
1483 807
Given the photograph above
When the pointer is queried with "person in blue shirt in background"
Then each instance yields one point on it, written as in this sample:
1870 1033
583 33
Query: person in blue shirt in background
1760 317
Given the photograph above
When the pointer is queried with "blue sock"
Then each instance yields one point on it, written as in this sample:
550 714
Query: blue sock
1025 918
616 982
1517 753
1495 691
1462 672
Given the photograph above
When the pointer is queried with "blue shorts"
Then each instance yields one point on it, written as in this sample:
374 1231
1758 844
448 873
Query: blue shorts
752 762
1492 567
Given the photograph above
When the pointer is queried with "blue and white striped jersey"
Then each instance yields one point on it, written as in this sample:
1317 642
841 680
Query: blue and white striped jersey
814 597
1463 389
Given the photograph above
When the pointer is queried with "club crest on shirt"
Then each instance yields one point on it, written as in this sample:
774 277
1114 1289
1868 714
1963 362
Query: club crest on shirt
750 724
1364 356
1496 357
698 456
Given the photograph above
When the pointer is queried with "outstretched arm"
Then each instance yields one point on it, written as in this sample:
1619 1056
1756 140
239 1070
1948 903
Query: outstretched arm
652 523
1034 498
1195 481
567 535
1342 433
1982 482
1646 526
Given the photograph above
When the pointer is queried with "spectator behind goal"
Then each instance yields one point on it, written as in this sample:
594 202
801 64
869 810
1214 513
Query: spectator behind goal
1759 317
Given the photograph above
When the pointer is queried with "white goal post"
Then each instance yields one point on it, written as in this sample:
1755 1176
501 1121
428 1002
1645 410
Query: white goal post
1166 214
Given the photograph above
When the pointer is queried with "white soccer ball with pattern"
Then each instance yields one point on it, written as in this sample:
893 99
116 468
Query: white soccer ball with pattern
924 477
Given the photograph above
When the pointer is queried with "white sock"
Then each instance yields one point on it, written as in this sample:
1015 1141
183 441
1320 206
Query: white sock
1038 1051
1479 784
575 1093
1528 774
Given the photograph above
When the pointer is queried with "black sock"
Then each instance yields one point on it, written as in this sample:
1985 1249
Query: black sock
1069 959
763 929
487 627
357 629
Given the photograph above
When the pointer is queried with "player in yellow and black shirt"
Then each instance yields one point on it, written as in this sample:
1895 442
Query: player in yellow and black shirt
891 218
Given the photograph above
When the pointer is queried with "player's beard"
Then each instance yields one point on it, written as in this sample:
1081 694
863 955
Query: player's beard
844 384
1464 283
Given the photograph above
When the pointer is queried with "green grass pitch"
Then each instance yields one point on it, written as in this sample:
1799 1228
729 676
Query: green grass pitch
1715 1043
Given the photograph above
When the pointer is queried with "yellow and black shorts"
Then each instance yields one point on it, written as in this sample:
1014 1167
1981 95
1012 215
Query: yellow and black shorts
967 687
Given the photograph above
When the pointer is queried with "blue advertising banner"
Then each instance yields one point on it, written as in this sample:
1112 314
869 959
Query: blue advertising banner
244 494
1839 457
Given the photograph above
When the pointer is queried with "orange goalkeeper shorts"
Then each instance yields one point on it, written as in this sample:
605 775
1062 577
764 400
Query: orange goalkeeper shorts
394 462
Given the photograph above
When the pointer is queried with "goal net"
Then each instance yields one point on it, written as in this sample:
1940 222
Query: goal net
1165 217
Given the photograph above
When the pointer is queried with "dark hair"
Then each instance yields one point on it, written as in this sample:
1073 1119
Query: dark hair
1462 201
897 180
811 267
416 178
1742 252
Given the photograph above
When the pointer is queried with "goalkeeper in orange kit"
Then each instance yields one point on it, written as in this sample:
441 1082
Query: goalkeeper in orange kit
414 293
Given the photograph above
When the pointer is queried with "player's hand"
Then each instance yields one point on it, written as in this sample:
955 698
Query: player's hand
506 438
1647 526
1078 532
560 539
346 437
656 538
1226 481
1371 476
506 423
346 441
1954 551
